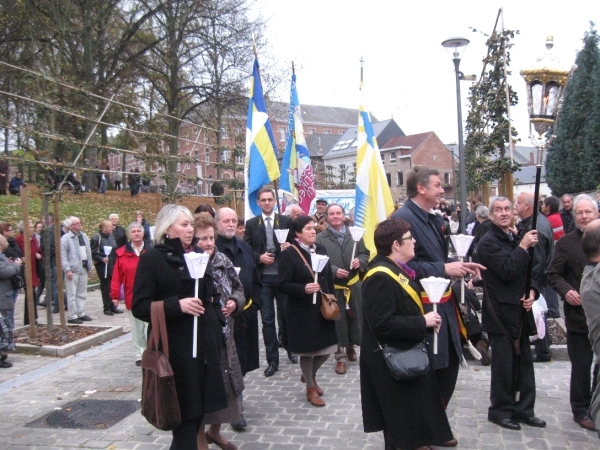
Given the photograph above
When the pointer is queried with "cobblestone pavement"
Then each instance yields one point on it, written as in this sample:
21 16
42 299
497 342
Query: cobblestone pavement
278 415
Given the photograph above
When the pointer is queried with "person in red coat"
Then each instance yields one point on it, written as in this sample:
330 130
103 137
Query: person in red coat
550 210
36 258
128 257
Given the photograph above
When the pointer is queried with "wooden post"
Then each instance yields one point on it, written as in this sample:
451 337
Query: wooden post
47 269
28 262
57 255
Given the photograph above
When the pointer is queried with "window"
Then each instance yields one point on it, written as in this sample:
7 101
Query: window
224 133
343 144
343 172
340 132
399 178
311 131
329 170
382 158
392 157
187 166
326 131
446 177
207 155
225 156
282 134
239 159
389 179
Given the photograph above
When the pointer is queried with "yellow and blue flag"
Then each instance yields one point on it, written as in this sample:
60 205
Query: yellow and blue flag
261 166
297 174
374 201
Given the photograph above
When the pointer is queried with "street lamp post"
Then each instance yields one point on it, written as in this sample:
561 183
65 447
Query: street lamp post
456 43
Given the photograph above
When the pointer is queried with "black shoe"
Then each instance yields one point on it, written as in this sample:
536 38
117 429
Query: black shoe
5 365
4 357
75 321
117 311
533 422
240 424
271 369
509 424
55 310
293 358
546 357
86 318
108 312
42 304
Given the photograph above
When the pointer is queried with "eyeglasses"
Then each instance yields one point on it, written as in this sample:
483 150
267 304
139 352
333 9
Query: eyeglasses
407 238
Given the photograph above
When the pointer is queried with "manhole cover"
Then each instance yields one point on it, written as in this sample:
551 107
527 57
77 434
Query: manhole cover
87 414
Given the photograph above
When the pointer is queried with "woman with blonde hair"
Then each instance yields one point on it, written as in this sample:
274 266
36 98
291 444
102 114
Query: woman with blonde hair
162 275
105 262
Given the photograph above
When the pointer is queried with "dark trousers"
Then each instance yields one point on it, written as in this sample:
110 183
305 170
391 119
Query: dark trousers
502 394
269 295
446 378
134 189
26 314
105 291
185 436
581 356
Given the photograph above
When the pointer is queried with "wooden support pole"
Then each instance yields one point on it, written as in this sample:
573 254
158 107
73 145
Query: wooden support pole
57 255
28 262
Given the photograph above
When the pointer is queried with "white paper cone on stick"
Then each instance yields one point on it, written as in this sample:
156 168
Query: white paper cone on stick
318 264
238 270
196 264
357 233
152 232
107 250
461 243
435 288
281 235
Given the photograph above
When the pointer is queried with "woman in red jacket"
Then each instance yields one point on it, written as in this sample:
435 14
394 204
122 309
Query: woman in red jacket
124 271
36 258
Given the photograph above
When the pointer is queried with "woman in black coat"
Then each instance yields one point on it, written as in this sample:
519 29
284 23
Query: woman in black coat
308 333
104 263
162 274
410 413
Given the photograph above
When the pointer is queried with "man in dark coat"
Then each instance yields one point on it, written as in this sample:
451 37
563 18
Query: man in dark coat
338 242
260 235
246 323
566 213
565 274
507 318
15 184
542 256
118 231
424 189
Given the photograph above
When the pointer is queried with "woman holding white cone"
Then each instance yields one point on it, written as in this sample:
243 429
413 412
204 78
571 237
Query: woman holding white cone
393 315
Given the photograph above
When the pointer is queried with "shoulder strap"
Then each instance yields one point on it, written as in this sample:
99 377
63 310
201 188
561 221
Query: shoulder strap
159 327
304 259
402 281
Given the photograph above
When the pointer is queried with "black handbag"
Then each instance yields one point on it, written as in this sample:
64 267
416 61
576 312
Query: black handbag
406 364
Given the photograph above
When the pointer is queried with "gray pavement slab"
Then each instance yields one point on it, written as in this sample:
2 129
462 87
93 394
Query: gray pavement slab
278 414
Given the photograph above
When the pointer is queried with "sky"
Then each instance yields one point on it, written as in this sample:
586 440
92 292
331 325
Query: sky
408 75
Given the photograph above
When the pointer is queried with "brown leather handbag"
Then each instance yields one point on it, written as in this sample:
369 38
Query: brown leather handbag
329 305
160 405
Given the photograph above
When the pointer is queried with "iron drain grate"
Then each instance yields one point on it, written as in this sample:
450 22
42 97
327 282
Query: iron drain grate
88 414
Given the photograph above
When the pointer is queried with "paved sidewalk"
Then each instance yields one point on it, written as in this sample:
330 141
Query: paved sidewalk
276 409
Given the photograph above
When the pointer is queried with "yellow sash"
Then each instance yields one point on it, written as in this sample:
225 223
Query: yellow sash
346 288
402 281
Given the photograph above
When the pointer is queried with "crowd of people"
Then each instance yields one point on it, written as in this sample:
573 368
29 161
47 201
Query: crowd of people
255 267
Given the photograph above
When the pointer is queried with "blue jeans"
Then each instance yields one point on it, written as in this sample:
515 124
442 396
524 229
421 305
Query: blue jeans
269 295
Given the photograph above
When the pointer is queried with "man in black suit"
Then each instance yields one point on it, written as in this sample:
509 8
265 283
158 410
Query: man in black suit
260 236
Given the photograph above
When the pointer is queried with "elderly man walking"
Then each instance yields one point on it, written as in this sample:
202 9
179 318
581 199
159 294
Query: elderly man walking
337 240
564 274
76 260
